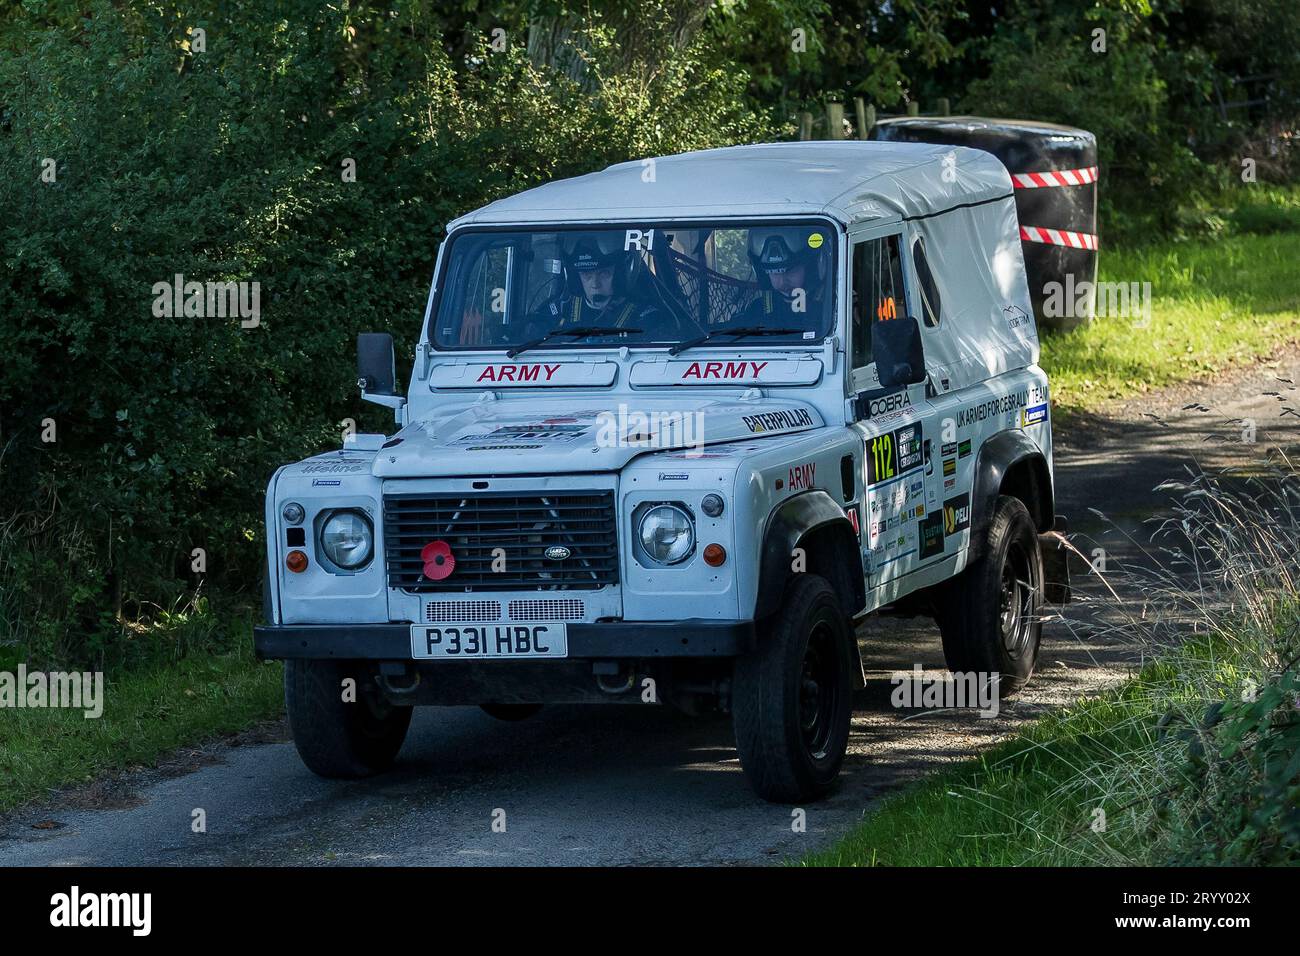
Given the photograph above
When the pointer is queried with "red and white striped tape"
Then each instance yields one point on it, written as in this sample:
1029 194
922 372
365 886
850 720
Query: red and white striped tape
1059 237
1055 177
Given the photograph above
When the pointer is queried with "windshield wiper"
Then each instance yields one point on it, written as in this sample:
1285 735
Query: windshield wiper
742 330
581 332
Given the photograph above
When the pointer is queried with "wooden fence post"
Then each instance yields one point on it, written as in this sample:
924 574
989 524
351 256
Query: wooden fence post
834 120
860 110
805 126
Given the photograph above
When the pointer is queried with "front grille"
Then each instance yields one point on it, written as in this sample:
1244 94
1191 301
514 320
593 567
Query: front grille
522 527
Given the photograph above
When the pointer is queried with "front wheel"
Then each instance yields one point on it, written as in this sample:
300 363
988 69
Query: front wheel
341 731
791 697
991 620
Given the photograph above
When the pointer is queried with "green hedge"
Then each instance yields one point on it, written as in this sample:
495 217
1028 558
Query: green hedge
227 165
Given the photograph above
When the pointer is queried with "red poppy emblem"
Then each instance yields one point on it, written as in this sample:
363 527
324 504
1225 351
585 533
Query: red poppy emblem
438 560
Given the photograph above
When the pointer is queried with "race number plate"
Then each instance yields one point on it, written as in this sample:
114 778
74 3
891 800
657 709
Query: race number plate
488 641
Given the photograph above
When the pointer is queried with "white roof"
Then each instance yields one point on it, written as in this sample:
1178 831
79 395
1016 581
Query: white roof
850 181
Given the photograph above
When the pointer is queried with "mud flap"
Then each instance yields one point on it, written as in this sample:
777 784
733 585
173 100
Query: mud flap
857 673
1056 566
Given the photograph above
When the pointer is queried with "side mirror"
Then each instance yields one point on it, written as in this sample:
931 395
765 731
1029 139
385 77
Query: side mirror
900 357
376 366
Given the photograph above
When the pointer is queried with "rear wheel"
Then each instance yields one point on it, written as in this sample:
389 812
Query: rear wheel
791 697
991 614
341 734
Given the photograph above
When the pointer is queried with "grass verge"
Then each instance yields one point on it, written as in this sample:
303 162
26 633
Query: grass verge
1217 303
1196 760
147 712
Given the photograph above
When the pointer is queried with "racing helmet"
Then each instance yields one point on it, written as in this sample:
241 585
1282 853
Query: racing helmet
773 251
588 251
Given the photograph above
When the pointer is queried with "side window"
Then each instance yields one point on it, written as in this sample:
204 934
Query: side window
930 304
877 291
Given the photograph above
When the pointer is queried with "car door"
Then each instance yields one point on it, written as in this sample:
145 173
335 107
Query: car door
894 422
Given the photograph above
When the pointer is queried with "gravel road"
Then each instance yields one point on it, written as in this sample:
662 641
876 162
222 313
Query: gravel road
645 786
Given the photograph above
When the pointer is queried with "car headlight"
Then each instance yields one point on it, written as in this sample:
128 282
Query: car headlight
347 539
667 534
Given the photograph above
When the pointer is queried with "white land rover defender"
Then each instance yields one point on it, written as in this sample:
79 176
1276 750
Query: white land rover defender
666 437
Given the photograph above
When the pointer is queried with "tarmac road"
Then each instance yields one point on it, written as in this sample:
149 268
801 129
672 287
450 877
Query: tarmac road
640 785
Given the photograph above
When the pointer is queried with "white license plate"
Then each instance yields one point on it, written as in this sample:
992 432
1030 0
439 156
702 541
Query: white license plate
488 641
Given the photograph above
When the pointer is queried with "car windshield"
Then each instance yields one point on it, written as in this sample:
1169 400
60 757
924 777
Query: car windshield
649 284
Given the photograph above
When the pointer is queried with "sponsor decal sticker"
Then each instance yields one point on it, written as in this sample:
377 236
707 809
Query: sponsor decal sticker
949 466
344 468
538 432
894 453
932 535
319 482
778 421
910 454
1016 316
1007 404
949 449
963 448
1033 416
956 514
886 404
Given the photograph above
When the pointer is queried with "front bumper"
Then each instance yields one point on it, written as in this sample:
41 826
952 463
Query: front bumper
618 640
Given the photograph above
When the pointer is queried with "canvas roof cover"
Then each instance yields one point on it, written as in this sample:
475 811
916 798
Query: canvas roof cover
849 181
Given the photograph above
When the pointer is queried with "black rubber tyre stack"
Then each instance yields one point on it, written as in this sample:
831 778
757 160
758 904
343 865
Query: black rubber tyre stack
1027 146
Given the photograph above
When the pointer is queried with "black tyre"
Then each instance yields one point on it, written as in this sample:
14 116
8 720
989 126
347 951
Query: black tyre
510 712
339 739
791 698
991 614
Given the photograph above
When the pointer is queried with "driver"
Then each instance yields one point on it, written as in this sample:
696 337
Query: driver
790 265
598 278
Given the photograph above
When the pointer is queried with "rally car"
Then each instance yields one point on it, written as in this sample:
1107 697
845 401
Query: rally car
665 440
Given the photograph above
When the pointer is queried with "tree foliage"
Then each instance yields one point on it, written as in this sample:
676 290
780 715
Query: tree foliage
209 140
223 160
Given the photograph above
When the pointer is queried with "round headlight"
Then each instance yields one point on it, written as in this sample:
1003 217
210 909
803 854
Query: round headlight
667 534
347 540
292 513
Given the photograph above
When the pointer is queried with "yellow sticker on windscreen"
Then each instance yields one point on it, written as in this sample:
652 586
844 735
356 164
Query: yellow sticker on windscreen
815 240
